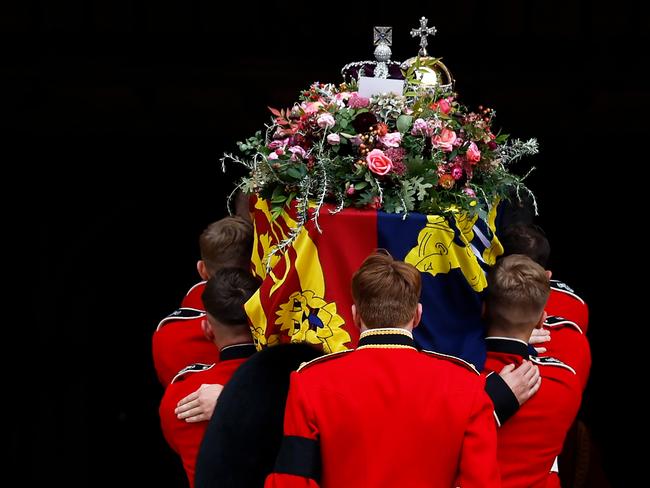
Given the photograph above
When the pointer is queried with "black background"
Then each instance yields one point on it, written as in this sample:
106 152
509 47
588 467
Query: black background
115 113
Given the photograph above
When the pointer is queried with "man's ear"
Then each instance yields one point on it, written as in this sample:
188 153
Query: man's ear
202 269
549 273
542 319
355 316
208 332
418 316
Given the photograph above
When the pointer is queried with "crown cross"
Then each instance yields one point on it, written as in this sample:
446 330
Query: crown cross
423 32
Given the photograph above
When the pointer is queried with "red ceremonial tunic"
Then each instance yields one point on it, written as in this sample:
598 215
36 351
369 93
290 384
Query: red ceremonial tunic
530 440
193 297
185 437
569 345
385 415
563 302
178 341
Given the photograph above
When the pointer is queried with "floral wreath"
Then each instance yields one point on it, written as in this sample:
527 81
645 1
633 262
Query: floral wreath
420 151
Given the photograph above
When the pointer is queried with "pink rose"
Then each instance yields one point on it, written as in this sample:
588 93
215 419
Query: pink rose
391 139
325 120
457 172
311 107
273 156
333 139
350 190
278 143
443 105
445 140
297 152
357 101
279 151
378 162
469 192
473 155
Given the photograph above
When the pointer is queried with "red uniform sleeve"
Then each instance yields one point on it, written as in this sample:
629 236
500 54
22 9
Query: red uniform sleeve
299 461
572 348
478 462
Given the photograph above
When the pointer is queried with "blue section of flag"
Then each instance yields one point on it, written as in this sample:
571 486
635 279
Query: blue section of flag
451 319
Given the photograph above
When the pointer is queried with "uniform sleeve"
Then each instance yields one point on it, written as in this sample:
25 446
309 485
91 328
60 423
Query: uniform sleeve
478 461
504 400
298 464
572 348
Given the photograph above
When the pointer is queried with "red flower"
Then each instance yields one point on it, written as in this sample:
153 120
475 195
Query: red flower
446 181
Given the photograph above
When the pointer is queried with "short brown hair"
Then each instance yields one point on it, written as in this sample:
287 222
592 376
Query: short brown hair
526 239
386 292
226 293
227 242
517 291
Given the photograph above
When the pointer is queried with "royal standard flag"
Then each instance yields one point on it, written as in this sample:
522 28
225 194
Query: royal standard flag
305 294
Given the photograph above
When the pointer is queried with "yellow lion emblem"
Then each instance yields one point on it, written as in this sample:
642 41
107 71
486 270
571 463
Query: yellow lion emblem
308 318
438 252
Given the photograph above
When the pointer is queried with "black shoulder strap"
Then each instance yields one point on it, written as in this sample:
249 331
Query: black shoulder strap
192 368
183 313
560 286
549 361
557 321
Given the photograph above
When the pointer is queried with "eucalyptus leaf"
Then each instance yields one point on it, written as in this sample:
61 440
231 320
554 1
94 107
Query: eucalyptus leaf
404 123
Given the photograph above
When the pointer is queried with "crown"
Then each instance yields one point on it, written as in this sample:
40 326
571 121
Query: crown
430 72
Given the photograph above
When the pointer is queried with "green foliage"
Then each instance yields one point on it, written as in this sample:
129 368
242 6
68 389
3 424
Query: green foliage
453 163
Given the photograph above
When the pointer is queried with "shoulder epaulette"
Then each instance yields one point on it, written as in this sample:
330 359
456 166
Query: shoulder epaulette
549 361
324 358
556 321
453 359
564 288
184 313
192 368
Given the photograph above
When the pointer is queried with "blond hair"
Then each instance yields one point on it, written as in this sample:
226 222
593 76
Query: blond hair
386 292
518 289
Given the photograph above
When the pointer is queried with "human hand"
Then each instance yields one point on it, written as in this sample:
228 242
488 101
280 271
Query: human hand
539 336
198 406
523 381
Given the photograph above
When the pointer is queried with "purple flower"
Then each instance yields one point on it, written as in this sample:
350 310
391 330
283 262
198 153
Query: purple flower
420 128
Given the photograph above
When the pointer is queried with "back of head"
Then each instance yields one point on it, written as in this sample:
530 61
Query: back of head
225 294
517 291
227 242
386 292
526 239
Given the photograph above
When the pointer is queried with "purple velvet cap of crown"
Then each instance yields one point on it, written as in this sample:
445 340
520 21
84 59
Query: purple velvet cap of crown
353 71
